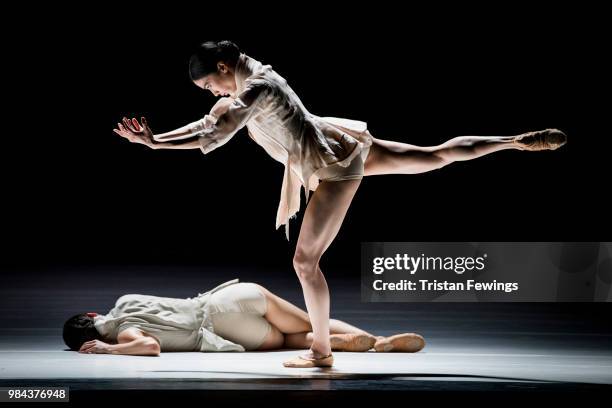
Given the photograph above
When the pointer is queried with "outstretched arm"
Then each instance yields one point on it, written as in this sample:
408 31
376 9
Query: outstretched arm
139 132
207 133
194 128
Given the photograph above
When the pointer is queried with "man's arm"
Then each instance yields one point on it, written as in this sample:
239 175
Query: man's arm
135 342
130 341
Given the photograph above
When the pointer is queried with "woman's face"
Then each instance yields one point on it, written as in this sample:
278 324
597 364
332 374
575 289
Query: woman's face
220 83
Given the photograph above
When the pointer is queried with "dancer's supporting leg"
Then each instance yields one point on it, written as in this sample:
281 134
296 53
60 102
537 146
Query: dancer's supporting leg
390 157
323 217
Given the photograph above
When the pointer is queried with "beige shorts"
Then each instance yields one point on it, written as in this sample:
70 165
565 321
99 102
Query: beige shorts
237 314
354 170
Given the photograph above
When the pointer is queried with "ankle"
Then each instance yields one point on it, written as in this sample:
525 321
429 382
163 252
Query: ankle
318 352
515 142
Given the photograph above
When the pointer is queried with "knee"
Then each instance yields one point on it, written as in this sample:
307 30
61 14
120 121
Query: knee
306 265
441 158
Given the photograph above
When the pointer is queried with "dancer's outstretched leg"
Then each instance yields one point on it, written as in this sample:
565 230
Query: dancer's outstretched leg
389 157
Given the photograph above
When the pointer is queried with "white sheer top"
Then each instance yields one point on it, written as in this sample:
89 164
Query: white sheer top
277 120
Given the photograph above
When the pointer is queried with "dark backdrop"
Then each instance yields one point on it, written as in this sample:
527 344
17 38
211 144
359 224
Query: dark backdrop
75 193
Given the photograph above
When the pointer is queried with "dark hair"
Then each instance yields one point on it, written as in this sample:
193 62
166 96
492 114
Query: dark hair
204 60
79 329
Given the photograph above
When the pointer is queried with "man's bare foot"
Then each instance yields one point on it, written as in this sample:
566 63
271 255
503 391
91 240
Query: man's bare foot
355 342
403 343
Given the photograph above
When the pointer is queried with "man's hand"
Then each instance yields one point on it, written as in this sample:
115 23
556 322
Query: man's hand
95 346
136 132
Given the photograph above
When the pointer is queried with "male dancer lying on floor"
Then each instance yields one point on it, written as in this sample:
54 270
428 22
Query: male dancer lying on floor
234 316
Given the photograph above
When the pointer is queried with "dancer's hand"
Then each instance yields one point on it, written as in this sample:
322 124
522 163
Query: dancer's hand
95 347
136 132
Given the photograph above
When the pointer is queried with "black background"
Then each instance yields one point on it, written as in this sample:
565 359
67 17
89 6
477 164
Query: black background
76 193
87 216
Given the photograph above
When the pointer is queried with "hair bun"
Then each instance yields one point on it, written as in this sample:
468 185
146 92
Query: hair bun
226 46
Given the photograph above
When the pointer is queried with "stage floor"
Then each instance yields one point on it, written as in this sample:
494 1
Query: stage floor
38 355
469 346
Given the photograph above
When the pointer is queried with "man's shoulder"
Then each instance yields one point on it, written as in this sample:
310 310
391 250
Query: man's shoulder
133 297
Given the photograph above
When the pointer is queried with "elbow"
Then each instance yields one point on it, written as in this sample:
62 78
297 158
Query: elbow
152 347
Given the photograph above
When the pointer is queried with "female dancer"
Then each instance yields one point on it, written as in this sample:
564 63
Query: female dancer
327 155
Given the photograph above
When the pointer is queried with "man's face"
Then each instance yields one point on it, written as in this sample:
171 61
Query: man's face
220 83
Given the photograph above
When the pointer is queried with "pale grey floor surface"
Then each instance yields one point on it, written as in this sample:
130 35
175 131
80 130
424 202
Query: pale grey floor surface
466 342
